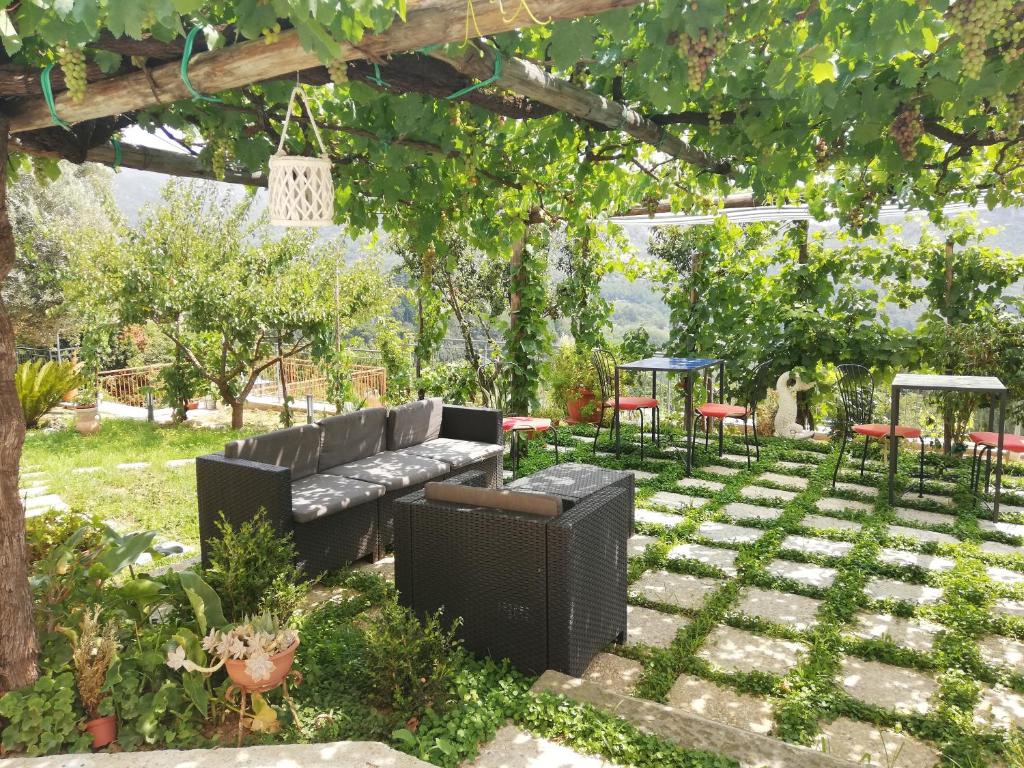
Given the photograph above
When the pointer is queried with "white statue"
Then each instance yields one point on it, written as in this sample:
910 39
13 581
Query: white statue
785 418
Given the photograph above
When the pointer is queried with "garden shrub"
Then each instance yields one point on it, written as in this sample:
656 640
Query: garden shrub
253 569
46 531
43 717
409 667
42 385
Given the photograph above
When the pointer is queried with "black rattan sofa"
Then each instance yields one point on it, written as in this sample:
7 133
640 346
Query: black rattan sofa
333 484
543 586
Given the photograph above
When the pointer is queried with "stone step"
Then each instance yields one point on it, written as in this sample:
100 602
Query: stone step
515 748
680 725
338 754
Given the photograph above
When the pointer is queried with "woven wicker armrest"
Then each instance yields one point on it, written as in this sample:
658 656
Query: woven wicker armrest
475 478
461 422
240 488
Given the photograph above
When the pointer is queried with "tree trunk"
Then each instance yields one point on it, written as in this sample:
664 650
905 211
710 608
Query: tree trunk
18 644
237 413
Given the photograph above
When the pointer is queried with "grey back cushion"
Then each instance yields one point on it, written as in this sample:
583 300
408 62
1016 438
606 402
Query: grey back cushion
351 436
414 423
295 448
529 503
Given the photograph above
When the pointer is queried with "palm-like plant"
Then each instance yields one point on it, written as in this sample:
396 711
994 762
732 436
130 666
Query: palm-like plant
42 385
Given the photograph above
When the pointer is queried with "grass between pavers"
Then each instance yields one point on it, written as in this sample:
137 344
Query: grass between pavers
155 498
808 695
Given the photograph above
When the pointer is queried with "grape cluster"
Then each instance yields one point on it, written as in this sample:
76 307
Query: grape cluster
271 34
72 64
821 152
219 158
700 52
715 119
338 70
138 61
907 129
1015 111
973 21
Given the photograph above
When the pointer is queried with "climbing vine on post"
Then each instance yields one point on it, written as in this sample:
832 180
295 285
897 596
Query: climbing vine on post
528 336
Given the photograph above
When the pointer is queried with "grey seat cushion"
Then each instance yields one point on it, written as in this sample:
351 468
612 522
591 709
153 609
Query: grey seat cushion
320 495
393 469
414 423
351 436
458 453
296 448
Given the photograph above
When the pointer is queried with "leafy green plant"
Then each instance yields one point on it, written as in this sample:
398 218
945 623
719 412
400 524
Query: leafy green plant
46 531
570 372
43 718
253 569
42 385
409 667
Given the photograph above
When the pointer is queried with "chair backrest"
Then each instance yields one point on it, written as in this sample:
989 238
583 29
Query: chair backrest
604 364
755 384
857 392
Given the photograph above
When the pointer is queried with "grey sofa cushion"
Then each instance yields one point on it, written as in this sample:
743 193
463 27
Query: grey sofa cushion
414 423
393 469
351 436
495 498
317 496
458 453
295 448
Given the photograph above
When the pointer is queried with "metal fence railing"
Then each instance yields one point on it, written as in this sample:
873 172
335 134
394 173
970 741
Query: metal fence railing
60 354
128 385
303 377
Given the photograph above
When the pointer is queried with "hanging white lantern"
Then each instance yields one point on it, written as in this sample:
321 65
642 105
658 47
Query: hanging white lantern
301 189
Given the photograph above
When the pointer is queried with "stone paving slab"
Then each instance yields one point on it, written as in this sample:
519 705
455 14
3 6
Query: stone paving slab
794 611
651 517
639 475
920 516
1007 607
676 500
736 650
814 456
832 504
760 492
614 673
32 475
863 490
697 484
385 568
721 704
1004 652
999 707
739 510
999 548
637 544
935 498
515 748
738 457
913 634
649 627
1010 529
722 559
132 465
507 475
824 522
890 589
800 466
32 491
814 546
927 562
792 482
44 504
717 469
922 535
176 463
679 589
729 534
1004 575
907 691
869 745
809 574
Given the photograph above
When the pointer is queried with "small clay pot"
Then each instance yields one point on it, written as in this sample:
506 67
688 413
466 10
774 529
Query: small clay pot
103 730
282 662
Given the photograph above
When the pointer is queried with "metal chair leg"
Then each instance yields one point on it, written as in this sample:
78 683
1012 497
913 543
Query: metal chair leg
600 421
974 469
641 435
864 457
920 481
839 462
753 424
988 466
554 431
746 441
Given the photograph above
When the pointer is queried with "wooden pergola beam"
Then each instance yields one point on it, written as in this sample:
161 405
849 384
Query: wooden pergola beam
143 158
428 22
529 80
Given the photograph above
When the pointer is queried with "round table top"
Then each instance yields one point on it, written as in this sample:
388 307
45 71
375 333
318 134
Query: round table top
533 423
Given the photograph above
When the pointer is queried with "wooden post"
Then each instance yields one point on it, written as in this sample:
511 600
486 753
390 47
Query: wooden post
804 415
947 406
18 643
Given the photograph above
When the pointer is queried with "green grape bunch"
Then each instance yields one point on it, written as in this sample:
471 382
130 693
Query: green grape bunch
219 158
715 119
907 129
700 52
271 34
974 21
72 64
338 70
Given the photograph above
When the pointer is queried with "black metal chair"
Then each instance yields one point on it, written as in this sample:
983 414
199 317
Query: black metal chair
749 391
604 363
857 393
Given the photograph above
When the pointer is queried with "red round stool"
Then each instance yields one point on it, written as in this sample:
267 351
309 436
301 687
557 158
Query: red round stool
517 425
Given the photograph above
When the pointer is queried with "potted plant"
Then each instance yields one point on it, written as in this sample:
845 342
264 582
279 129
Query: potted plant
93 651
85 407
573 383
257 654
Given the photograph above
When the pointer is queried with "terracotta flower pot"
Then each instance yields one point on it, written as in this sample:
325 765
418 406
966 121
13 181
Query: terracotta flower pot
282 662
192 405
103 730
578 410
86 422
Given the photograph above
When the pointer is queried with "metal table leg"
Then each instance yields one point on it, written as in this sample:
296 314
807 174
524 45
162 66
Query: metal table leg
689 422
721 399
894 416
615 416
999 457
656 413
